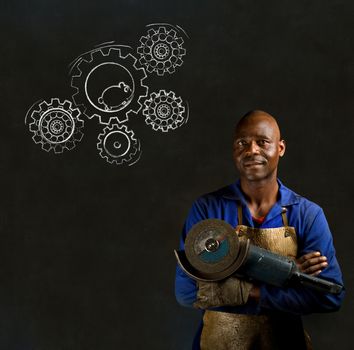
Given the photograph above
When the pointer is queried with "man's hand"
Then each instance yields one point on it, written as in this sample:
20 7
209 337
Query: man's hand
312 263
255 293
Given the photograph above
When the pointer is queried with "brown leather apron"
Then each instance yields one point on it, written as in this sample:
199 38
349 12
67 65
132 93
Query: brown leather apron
224 331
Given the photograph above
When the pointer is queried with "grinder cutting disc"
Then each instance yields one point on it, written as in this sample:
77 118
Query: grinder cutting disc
213 248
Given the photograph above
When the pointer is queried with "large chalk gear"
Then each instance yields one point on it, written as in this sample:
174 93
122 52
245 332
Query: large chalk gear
214 252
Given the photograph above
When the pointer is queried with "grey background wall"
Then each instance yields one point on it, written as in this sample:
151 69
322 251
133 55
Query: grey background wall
86 247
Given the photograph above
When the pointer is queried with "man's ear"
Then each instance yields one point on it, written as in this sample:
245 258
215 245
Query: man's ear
282 147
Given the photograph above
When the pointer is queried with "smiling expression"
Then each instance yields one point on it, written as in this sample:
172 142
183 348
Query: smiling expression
257 147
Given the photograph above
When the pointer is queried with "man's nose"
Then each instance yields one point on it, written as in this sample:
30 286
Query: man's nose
253 148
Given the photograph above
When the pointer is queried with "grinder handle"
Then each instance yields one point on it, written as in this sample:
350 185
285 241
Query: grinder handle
318 284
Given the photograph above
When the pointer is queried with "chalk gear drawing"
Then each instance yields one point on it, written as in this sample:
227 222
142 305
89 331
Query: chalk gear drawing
108 85
164 111
161 50
56 125
118 145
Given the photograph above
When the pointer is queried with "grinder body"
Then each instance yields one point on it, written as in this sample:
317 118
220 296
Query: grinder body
213 252
265 266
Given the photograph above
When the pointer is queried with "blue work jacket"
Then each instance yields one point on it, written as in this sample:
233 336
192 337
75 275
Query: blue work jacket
313 234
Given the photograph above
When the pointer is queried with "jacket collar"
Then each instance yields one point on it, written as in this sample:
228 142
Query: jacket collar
286 196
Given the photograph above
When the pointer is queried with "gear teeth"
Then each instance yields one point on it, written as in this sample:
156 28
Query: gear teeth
171 70
148 58
172 33
46 147
44 106
78 136
55 102
33 127
83 64
121 114
37 139
172 116
143 40
74 82
64 115
142 61
180 41
115 54
58 149
36 115
101 136
179 62
129 156
70 145
95 56
79 123
146 90
86 59
66 105
130 59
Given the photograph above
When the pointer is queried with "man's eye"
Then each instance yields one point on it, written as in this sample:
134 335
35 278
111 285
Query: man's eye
262 142
241 143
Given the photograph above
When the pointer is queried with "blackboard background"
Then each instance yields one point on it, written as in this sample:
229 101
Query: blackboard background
86 256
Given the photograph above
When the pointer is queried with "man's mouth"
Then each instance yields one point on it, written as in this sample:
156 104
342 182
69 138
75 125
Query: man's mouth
253 163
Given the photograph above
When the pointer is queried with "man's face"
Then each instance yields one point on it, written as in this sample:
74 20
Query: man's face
257 148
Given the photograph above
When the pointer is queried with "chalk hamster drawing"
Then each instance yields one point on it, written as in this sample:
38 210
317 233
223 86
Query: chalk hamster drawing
113 93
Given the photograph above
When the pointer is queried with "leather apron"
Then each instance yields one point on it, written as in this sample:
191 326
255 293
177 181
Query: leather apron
270 331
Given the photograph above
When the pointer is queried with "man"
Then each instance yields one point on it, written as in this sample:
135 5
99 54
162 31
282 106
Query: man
238 314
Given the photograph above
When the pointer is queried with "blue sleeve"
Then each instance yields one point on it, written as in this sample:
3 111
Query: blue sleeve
186 287
316 237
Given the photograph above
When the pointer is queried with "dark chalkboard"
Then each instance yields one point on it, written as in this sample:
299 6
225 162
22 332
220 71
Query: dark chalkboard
86 244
